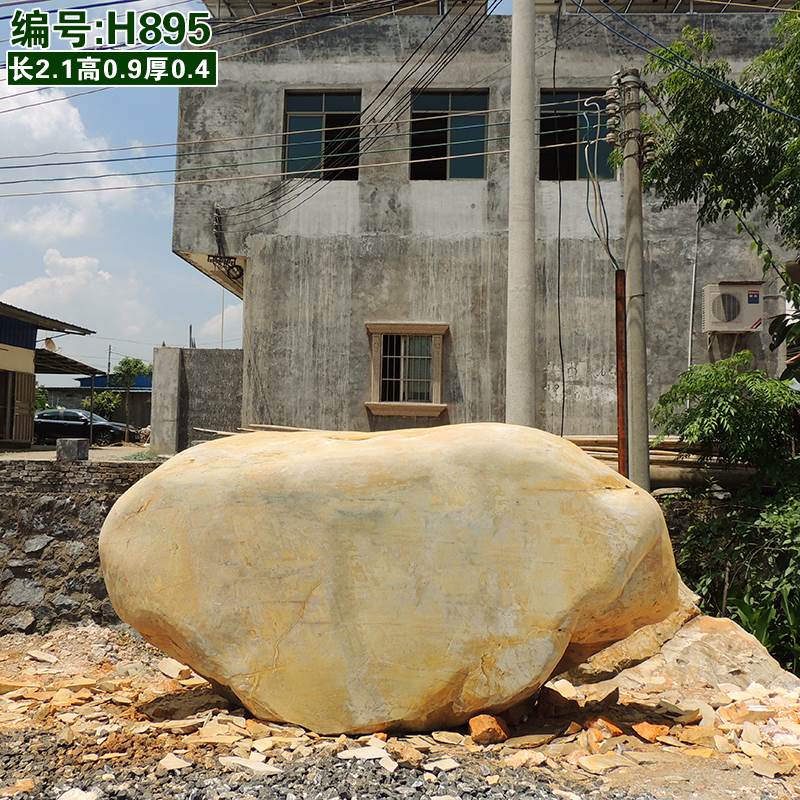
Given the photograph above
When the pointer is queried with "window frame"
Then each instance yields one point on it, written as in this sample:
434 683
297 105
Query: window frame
376 331
449 143
581 93
322 172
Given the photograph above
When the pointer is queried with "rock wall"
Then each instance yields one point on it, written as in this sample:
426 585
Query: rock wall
50 519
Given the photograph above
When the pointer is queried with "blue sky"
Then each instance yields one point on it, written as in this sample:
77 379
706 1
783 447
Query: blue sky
104 260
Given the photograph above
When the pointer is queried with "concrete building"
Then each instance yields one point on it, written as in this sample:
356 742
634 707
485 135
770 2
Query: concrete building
376 297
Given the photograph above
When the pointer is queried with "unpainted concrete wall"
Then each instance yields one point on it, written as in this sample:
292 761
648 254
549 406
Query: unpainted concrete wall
193 388
386 248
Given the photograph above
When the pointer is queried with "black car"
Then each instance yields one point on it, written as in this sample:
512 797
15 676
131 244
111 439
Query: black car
73 423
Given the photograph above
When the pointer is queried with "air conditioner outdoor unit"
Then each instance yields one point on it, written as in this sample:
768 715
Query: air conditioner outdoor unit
732 307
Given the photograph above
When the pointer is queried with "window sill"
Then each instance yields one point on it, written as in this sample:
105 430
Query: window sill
406 409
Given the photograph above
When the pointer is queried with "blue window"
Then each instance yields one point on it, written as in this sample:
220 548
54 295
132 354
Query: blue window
448 135
322 136
571 134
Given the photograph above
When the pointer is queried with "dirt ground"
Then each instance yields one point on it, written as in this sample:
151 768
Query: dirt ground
42 452
97 712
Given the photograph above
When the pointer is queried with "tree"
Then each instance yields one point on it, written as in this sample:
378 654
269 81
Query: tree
41 398
125 374
105 403
732 412
729 155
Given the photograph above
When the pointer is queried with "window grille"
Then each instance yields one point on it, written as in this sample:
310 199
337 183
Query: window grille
406 368
406 374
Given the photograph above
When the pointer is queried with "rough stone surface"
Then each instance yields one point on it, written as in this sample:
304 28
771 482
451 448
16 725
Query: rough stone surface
639 646
50 519
408 579
72 450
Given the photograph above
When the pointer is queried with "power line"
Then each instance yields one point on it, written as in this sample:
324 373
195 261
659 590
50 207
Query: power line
442 61
149 8
323 14
283 136
319 33
297 173
690 68
377 104
232 179
224 139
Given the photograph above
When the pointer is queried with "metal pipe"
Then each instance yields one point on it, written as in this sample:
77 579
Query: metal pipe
91 414
622 372
694 289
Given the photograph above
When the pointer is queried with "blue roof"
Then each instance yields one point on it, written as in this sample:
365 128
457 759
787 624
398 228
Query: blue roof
101 382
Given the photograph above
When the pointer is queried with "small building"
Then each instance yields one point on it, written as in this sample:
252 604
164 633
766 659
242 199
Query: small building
21 361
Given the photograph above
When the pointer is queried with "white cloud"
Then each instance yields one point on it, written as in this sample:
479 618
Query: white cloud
76 289
64 280
208 333
53 127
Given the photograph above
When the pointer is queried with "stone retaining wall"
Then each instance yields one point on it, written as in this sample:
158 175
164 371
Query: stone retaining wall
50 519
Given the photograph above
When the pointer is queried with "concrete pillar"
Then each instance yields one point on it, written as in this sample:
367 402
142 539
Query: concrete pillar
165 403
520 315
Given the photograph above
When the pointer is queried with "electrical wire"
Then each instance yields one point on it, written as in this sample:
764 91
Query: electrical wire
319 33
200 181
283 136
232 179
297 173
339 11
683 64
220 140
86 7
774 8
442 61
591 178
381 104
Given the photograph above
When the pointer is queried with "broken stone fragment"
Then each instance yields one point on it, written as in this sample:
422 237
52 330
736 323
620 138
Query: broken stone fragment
486 729
405 580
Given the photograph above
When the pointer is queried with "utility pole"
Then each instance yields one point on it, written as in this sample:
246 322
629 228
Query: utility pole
521 291
638 409
222 322
108 367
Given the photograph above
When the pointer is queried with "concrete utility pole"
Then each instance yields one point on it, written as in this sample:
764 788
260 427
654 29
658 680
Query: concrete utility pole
638 409
521 297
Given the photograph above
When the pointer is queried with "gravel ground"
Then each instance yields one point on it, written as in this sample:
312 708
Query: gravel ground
90 713
43 758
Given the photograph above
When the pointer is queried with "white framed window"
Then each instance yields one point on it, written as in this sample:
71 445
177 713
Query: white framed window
406 368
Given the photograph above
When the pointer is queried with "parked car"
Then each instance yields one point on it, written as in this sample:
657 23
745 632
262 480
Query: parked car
73 423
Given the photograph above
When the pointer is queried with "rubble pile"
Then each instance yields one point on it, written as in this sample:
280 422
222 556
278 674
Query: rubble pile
109 713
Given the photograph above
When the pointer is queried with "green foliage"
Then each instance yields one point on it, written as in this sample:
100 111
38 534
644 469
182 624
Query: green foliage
41 398
742 557
105 403
730 411
128 369
728 155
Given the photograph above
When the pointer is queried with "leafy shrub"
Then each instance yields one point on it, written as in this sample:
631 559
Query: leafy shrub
105 403
742 556
730 411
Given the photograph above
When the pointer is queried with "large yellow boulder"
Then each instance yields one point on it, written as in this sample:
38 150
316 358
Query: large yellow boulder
353 582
